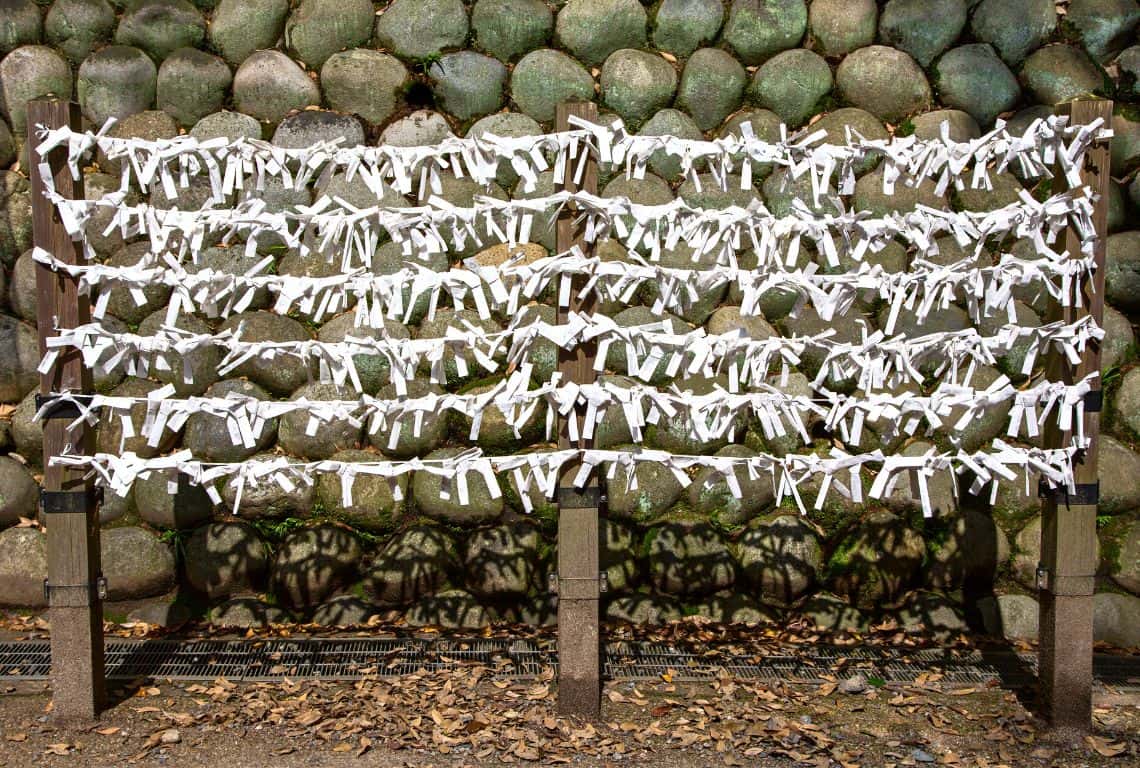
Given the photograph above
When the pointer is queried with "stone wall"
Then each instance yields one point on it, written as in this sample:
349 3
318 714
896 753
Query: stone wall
413 72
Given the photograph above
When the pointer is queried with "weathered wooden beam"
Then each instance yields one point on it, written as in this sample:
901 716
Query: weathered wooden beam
74 604
1067 570
579 582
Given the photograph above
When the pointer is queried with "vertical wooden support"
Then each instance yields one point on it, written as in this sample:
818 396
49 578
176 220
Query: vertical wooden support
1068 524
75 606
579 583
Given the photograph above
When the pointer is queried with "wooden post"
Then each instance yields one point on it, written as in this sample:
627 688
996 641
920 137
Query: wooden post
579 582
1065 576
67 504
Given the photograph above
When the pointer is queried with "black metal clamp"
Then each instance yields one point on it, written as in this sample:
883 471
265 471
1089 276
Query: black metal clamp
62 406
1094 400
75 595
578 588
70 502
1083 494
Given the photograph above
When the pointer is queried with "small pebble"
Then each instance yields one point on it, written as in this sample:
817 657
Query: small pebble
920 756
854 684
170 736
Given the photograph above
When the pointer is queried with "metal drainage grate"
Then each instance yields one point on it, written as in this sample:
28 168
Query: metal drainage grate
353 658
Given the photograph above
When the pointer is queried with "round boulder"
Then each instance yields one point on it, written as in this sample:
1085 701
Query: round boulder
1014 28
507 29
966 551
792 84
617 555
263 497
302 435
453 609
503 562
246 613
759 29
956 124
415 30
208 436
161 27
1119 468
168 501
686 559
23 567
1122 271
21 24
972 78
922 28
197 369
712 84
1105 27
19 358
344 611
192 84
226 124
269 373
77 27
830 613
312 563
135 563
27 73
468 84
1014 617
225 558
110 437
682 26
1116 620
874 565
841 26
317 29
643 609
416 562
268 85
656 490
240 27
19 493
317 125
116 81
483 503
544 78
593 29
374 506
364 82
780 558
1059 73
399 436
710 495
884 81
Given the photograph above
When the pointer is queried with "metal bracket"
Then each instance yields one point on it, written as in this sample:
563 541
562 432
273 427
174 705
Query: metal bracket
70 502
590 497
60 408
581 589
1064 586
1084 495
75 595
1094 400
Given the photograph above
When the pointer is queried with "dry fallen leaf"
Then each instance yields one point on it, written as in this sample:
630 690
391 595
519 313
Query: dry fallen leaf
16 737
1105 747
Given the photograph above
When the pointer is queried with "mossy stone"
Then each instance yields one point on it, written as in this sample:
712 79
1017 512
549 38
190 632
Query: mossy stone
841 26
270 373
238 28
208 436
192 84
481 506
268 85
502 562
972 78
29 72
224 558
225 124
544 78
374 506
19 493
312 563
593 29
682 26
264 498
23 567
468 84
669 122
712 84
635 84
884 81
1104 27
171 501
922 28
1059 73
415 30
317 29
780 558
958 125
109 437
758 29
414 563
364 82
135 563
1015 28
452 609
406 443
507 29
160 27
20 24
656 490
876 564
688 559
791 84
327 437
710 495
